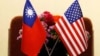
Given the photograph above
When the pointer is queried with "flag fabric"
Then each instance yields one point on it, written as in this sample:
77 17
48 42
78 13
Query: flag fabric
34 34
71 29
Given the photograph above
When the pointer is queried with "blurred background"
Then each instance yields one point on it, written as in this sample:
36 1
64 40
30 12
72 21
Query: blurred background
11 8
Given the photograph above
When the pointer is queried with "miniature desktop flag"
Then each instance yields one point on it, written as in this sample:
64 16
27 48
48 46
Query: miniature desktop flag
71 29
34 34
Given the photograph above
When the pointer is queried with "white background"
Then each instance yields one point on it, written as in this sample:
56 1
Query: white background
11 8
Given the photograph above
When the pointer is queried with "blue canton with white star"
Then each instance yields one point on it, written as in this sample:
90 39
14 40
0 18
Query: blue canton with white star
74 12
29 14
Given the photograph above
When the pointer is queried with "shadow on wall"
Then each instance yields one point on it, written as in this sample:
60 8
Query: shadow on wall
15 45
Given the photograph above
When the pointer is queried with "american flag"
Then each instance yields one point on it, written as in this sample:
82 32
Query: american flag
71 29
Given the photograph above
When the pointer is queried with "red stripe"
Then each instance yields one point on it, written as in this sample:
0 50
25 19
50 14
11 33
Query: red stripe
68 49
86 37
74 38
67 36
82 31
78 36
71 33
82 22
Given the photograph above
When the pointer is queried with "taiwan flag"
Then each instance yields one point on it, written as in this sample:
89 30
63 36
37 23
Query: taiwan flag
33 36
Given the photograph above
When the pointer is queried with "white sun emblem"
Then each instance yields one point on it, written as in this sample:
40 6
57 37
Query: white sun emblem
29 12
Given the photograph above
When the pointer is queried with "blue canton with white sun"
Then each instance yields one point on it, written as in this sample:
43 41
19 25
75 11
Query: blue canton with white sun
29 15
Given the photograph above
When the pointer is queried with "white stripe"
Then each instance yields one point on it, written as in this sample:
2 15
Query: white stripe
83 32
79 33
69 36
64 38
83 23
83 28
72 30
86 37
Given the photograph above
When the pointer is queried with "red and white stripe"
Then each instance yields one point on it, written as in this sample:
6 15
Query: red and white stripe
72 35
